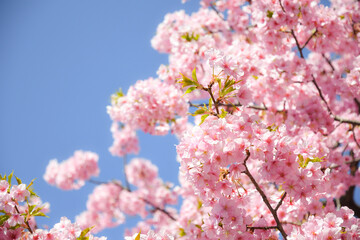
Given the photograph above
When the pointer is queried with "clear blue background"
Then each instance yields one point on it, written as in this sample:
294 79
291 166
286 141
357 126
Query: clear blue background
59 63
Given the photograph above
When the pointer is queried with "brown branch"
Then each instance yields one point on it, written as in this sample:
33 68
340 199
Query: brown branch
263 196
297 44
263 228
321 95
282 7
329 62
156 208
220 16
26 222
280 202
126 179
159 209
357 143
308 40
213 99
343 120
357 104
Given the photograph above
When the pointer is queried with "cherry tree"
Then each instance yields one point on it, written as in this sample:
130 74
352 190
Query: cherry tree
264 97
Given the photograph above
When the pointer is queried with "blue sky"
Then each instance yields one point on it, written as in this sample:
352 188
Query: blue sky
60 61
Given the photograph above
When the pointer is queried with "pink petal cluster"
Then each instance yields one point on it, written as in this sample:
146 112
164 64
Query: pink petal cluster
108 204
62 230
102 208
150 105
73 172
125 141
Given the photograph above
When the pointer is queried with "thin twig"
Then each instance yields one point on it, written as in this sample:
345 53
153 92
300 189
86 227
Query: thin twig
343 120
307 41
282 7
281 201
321 95
159 209
297 44
213 99
263 228
126 179
266 201
220 15
357 143
329 62
127 189
26 222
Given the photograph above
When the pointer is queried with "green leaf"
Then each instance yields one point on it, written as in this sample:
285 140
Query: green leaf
18 180
199 111
218 80
272 128
31 208
3 219
228 83
186 81
199 204
138 236
210 103
191 37
189 90
222 114
203 117
269 13
303 163
84 232
182 232
10 177
226 91
194 75
30 184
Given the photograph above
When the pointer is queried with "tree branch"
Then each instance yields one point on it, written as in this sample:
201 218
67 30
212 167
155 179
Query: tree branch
329 62
159 209
321 95
26 222
263 196
156 208
280 202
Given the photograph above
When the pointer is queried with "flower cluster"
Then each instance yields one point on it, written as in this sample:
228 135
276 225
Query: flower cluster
150 105
125 141
19 206
73 172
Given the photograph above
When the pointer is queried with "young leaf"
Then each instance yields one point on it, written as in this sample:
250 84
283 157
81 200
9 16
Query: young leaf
189 90
198 112
30 184
10 177
210 103
83 233
203 117
194 75
182 232
222 114
185 81
3 219
18 180
138 236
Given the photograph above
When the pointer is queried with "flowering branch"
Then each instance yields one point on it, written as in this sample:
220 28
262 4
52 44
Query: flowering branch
336 118
156 208
159 209
26 221
266 201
